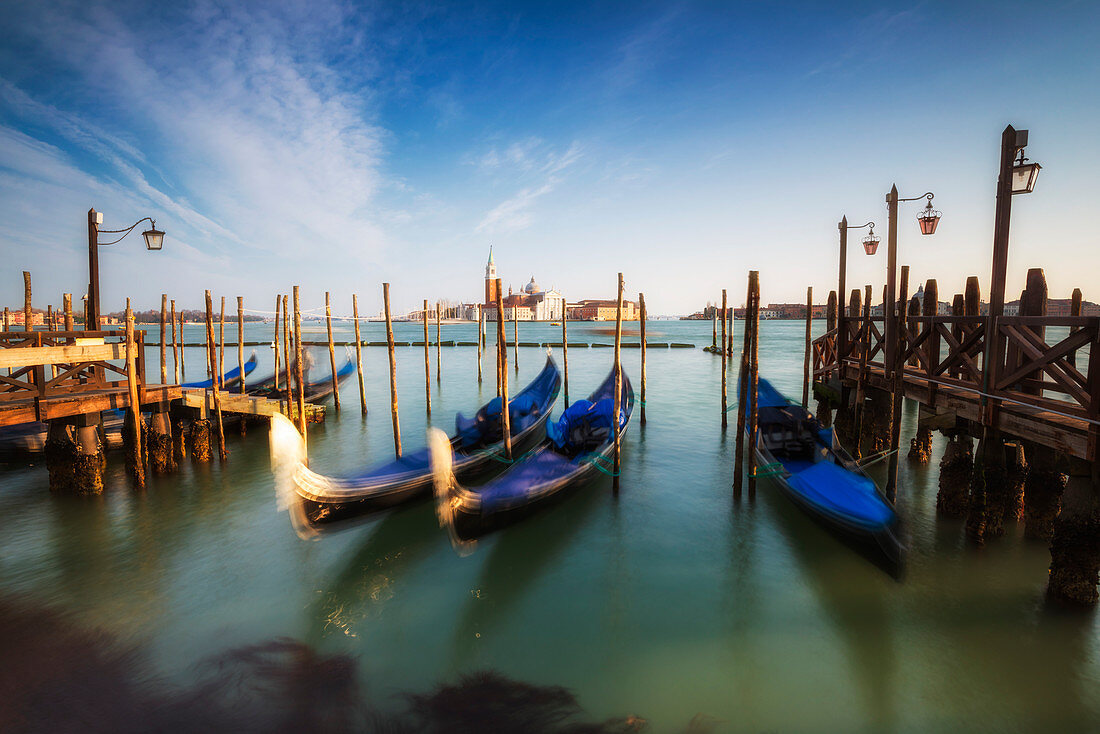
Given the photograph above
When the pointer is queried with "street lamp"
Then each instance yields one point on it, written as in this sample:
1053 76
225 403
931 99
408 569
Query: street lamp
870 244
154 240
1024 174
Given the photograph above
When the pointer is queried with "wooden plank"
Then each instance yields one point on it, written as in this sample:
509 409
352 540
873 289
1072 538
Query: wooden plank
69 354
231 402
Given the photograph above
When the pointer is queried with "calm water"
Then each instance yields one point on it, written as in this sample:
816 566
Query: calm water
667 602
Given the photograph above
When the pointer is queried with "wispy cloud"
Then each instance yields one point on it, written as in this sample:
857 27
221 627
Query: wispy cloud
536 168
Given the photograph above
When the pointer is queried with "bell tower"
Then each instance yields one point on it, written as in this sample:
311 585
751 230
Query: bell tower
490 279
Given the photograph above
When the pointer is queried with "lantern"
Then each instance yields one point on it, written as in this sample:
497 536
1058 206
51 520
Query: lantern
870 243
928 219
154 238
1024 175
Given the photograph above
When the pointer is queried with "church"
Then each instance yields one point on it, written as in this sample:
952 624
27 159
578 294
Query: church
532 304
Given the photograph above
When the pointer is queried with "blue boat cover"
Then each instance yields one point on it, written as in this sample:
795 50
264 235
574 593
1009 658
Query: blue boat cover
232 374
840 492
585 425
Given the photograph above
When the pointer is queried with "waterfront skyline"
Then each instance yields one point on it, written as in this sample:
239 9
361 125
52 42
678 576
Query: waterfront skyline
338 146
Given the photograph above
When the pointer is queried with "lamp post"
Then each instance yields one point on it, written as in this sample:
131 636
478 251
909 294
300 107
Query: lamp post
1016 176
870 245
154 240
928 218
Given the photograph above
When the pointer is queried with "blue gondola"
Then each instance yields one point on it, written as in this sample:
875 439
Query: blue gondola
477 444
822 479
232 377
578 447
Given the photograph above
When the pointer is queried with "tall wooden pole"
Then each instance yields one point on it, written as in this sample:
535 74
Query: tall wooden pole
1074 310
393 370
502 361
275 343
212 356
299 378
729 335
175 348
438 345
221 347
480 340
67 304
163 334
135 400
809 339
359 353
515 334
92 319
897 387
714 330
841 330
618 388
28 319
754 376
427 364
183 350
240 341
332 354
722 314
743 396
642 320
289 381
565 356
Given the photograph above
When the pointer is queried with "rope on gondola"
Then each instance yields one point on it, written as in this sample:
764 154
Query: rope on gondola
875 458
594 460
770 470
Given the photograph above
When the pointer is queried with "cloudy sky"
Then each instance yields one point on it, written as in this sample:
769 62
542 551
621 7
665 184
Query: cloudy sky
337 145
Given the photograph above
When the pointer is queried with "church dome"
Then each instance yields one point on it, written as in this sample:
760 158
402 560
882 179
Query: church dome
532 287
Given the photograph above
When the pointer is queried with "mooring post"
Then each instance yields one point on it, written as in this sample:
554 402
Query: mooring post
754 378
619 388
824 405
175 347
359 353
49 320
332 354
221 347
427 364
862 343
565 355
438 345
135 460
7 320
480 342
641 328
393 370
28 319
722 350
240 343
920 447
714 329
502 363
215 367
288 380
299 377
809 340
742 397
729 335
897 384
515 335
67 304
275 342
183 350
163 335
1074 310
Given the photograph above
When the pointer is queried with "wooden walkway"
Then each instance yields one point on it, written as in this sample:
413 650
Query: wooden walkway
1034 390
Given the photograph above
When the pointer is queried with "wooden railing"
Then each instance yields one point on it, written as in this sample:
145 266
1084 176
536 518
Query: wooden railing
45 364
950 350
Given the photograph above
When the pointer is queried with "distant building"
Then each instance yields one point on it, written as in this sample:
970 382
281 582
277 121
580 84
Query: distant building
533 304
596 309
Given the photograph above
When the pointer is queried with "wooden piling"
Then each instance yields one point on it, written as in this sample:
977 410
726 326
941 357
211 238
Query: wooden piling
809 339
619 388
480 341
863 340
438 345
240 342
212 357
427 364
565 357
183 350
714 329
67 304
393 370
502 361
299 378
729 335
275 343
28 319
897 386
1074 310
332 354
641 329
515 335
7 320
722 349
754 378
163 345
136 459
742 398
359 353
221 347
288 380
175 347
49 319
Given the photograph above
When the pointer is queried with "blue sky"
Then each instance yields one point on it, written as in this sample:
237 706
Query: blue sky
338 145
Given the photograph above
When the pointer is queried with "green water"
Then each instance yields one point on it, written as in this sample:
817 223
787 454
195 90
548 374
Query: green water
666 602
